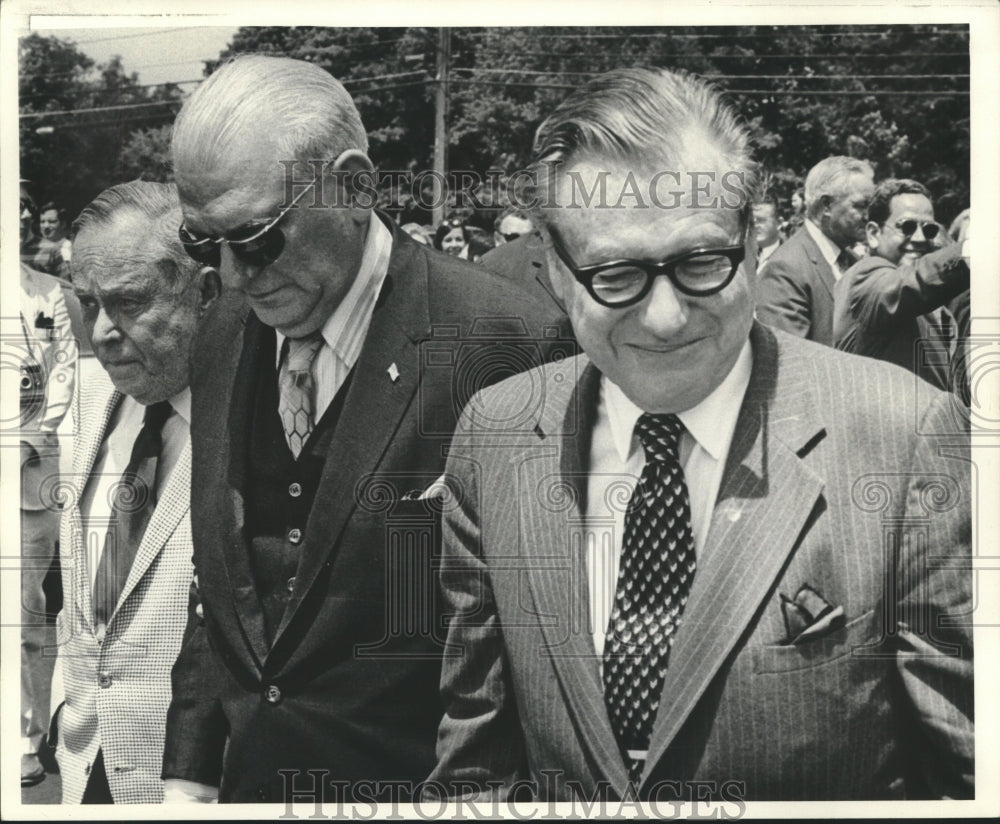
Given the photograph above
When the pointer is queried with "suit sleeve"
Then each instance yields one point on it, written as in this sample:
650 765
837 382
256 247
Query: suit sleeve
480 749
887 294
935 608
197 729
784 299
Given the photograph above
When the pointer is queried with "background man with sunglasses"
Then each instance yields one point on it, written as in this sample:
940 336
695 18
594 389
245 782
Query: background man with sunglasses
678 572
795 286
326 388
893 304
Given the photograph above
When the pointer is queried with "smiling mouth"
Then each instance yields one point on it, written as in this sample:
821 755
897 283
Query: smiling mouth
664 348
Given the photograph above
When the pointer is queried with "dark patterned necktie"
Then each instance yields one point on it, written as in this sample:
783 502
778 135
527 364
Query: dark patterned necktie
133 505
845 260
296 390
654 579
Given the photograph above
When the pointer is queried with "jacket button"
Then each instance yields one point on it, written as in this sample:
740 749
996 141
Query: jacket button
291 583
103 680
262 794
272 694
295 536
295 490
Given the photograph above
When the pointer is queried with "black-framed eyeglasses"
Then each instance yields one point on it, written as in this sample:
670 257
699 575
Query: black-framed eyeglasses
907 227
253 243
509 236
619 283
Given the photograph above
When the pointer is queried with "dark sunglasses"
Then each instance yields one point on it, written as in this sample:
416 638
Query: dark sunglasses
908 227
253 244
509 236
619 283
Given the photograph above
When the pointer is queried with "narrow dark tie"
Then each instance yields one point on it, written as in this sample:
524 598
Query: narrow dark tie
654 579
133 505
845 260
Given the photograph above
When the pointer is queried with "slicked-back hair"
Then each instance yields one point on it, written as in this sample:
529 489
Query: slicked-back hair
158 204
880 205
830 177
309 111
645 117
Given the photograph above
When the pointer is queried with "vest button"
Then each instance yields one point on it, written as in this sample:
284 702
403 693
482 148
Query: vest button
272 694
103 680
295 536
291 583
295 490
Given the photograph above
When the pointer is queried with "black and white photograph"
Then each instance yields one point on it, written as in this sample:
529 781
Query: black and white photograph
420 415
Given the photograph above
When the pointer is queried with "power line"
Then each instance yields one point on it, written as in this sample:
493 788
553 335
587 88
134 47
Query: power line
130 36
123 107
732 76
757 56
742 35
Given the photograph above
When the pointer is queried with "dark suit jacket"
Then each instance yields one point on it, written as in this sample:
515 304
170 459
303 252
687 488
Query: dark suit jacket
524 261
844 474
350 684
795 290
880 311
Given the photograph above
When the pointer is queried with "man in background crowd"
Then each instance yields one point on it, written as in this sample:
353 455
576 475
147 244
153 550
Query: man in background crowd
795 289
893 304
126 533
55 244
48 373
511 225
765 221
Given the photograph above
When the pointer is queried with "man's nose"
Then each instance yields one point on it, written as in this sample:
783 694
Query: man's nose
238 272
918 235
666 311
105 330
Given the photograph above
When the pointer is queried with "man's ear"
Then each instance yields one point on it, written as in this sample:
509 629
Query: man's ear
209 288
355 173
874 234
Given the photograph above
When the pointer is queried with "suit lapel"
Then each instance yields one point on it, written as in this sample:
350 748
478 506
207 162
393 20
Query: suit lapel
374 406
249 363
819 262
766 497
103 402
173 502
563 605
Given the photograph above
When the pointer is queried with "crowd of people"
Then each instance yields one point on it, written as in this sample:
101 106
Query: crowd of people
576 508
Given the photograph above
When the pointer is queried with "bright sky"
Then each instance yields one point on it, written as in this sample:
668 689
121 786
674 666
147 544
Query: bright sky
159 55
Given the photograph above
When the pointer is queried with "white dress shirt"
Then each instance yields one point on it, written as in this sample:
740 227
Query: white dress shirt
112 458
827 247
616 462
765 253
345 330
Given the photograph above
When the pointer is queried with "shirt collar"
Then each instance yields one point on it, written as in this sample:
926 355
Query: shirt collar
827 247
711 423
181 402
340 330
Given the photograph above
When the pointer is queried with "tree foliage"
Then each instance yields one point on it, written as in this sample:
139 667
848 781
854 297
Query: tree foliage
69 154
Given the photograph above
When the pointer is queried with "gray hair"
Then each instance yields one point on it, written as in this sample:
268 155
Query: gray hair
159 205
642 115
830 177
316 117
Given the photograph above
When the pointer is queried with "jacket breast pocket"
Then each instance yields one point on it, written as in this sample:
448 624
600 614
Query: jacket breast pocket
863 630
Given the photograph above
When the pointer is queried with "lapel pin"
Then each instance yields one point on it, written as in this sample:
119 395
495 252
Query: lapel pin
393 372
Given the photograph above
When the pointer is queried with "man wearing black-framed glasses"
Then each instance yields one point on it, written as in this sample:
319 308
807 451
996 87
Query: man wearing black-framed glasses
660 581
894 304
325 389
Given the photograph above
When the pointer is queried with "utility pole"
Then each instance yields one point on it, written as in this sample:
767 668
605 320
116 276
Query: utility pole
440 130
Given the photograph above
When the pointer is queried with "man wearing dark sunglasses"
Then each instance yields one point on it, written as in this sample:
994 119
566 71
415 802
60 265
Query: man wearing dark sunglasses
671 576
325 390
893 304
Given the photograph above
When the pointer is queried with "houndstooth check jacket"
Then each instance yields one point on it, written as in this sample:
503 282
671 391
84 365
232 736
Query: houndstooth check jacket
118 691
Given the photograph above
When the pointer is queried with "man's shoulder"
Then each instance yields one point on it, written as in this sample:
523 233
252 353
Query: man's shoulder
792 253
512 259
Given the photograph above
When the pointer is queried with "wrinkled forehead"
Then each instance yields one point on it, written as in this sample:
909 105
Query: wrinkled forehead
910 205
129 240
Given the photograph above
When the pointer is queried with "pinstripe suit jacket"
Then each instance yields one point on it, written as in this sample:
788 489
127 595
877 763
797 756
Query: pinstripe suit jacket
118 691
845 474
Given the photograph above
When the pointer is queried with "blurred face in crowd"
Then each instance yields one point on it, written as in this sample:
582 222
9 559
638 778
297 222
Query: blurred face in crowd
889 240
511 228
798 204
454 242
323 244
843 216
670 350
140 321
26 218
50 225
765 223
